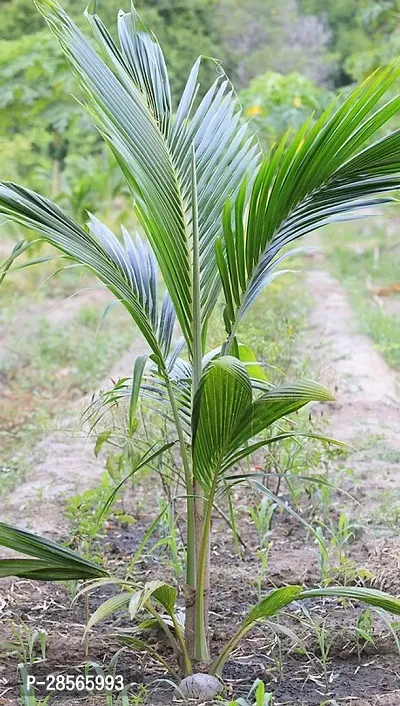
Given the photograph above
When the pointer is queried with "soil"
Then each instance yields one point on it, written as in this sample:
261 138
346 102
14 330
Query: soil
365 414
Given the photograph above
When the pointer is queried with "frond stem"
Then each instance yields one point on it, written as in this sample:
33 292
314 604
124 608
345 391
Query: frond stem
196 295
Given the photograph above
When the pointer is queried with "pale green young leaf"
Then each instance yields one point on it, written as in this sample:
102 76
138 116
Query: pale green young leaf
109 607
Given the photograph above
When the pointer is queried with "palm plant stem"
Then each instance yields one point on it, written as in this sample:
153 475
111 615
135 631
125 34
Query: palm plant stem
187 664
219 663
227 345
202 650
87 616
150 607
190 539
196 293
202 573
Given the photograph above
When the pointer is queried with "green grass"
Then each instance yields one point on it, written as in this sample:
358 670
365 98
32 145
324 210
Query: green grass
364 258
63 358
387 514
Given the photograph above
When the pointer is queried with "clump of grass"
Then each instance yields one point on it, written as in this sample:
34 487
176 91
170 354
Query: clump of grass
387 514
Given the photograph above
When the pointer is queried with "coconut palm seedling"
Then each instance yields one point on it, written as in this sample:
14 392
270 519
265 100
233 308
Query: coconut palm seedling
217 219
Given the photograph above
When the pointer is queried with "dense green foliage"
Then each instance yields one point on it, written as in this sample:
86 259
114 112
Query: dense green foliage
276 102
364 33
321 45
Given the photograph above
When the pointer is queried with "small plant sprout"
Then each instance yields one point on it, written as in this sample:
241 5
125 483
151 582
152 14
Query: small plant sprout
262 516
325 638
108 682
257 696
27 693
364 631
28 644
332 541
263 557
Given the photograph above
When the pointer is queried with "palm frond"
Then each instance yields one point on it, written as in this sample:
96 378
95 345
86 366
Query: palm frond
279 598
272 406
51 561
225 392
130 273
226 420
129 99
323 177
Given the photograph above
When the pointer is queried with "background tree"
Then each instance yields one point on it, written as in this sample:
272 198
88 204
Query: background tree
381 23
329 44
274 35
276 102
364 33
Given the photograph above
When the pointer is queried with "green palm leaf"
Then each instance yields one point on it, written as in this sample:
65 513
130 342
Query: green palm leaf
52 562
129 273
128 98
281 597
273 405
224 394
322 177
109 607
225 419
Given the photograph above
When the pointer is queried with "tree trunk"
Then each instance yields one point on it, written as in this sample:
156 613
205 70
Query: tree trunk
56 178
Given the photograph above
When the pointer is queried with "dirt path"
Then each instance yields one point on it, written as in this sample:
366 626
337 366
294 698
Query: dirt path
366 414
366 388
63 463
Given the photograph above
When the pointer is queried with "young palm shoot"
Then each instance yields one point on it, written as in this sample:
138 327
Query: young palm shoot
217 218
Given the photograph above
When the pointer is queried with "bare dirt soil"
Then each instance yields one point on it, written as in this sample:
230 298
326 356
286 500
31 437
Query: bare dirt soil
367 415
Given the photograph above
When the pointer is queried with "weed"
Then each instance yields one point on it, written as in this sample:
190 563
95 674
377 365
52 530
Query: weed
257 696
262 515
170 540
27 694
116 693
387 513
86 516
325 637
29 646
263 557
364 631
332 542
347 573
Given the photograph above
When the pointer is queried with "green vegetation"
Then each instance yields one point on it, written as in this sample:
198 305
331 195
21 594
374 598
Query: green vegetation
207 430
278 102
387 513
218 217
296 52
363 33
